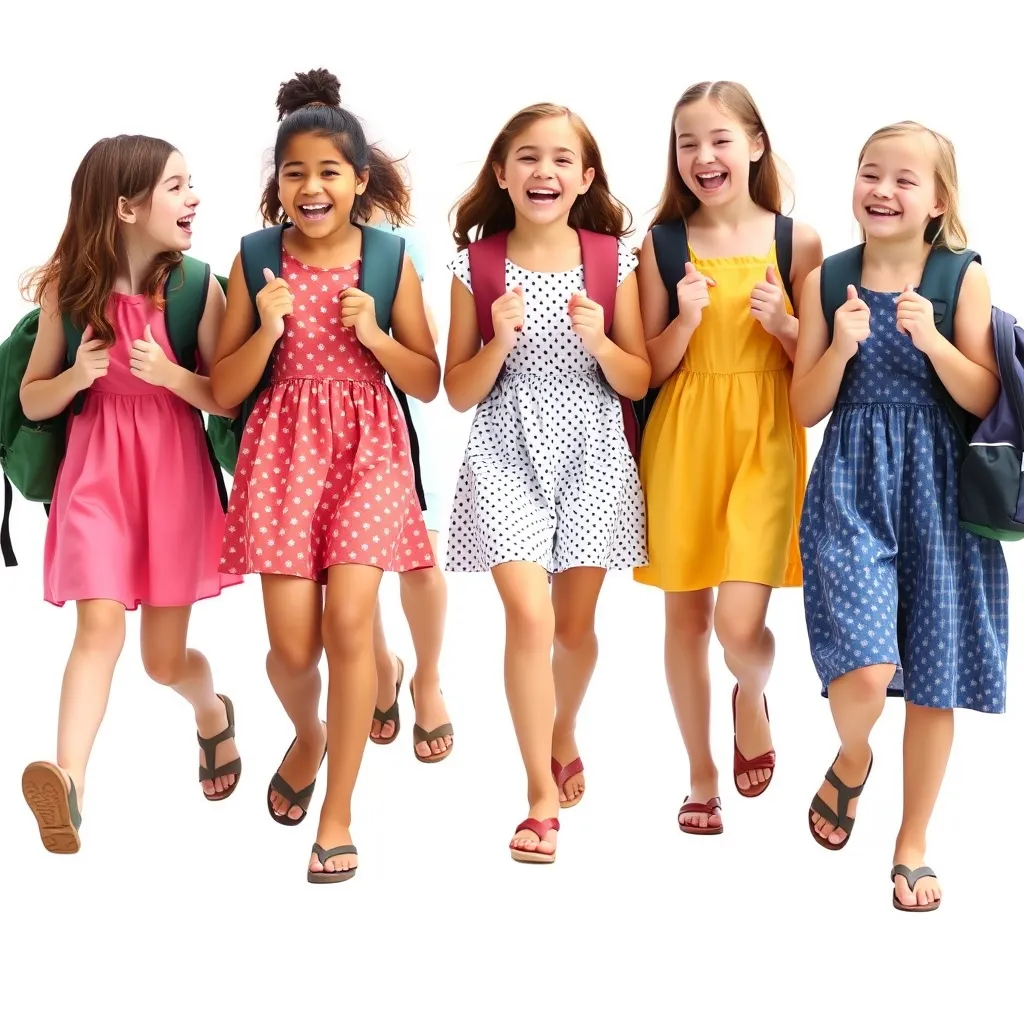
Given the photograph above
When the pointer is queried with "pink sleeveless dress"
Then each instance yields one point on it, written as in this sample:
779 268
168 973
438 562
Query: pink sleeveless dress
135 516
324 475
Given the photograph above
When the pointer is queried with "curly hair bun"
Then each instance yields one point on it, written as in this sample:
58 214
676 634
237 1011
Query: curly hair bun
304 89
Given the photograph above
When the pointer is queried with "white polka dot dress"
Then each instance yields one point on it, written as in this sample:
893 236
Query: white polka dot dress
547 476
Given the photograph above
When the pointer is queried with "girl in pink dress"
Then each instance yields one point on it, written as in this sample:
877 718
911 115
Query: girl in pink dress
136 518
324 491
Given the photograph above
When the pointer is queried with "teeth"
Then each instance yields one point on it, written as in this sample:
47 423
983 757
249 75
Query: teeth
883 211
316 206
711 175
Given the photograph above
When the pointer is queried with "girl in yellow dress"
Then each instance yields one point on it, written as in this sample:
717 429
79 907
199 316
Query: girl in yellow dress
723 460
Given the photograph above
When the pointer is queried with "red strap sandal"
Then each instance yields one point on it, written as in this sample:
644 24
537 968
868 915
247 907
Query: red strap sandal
741 765
713 806
540 829
563 775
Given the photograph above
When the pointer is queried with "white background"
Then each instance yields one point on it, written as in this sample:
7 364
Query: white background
177 909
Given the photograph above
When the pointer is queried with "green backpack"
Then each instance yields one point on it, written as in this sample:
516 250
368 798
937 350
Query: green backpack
383 254
31 453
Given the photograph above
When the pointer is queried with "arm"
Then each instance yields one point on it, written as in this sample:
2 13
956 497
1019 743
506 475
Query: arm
666 342
193 387
818 367
240 356
968 367
47 388
470 368
807 256
409 357
624 360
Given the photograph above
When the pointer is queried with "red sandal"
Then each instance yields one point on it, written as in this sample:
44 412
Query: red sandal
741 765
540 829
713 806
563 775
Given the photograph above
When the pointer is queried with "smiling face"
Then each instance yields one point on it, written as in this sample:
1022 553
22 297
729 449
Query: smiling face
713 152
318 186
544 171
165 218
896 194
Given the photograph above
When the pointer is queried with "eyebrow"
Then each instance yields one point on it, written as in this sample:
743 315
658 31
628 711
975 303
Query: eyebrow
174 177
714 131
300 163
559 149
902 170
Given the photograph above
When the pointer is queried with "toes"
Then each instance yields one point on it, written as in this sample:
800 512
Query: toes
836 836
387 730
743 780
295 812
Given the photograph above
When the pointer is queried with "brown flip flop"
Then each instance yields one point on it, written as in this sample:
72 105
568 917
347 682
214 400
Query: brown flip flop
713 806
912 877
54 806
392 713
209 748
420 735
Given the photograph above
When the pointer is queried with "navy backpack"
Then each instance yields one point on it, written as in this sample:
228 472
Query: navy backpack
990 492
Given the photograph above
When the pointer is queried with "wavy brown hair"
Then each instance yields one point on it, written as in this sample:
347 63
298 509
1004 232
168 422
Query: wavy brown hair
85 264
487 207
310 104
947 230
766 178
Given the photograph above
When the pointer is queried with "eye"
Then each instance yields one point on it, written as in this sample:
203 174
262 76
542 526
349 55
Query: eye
686 145
907 182
722 142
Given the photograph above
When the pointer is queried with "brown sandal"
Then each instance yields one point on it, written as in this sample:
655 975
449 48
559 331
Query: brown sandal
210 772
54 806
420 735
713 806
391 714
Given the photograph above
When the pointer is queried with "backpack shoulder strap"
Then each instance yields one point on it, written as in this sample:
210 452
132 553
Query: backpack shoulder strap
671 252
784 252
940 284
837 273
261 249
187 287
601 271
383 256
487 272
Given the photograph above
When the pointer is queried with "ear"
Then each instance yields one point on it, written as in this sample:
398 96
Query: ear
124 212
757 149
499 174
940 208
362 180
588 180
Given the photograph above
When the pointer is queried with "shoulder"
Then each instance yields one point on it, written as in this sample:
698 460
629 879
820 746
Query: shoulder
413 243
975 292
628 260
805 238
459 266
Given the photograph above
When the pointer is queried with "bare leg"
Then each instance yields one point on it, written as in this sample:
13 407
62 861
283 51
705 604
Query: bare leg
749 652
168 661
351 688
927 740
387 676
574 595
688 617
856 700
294 609
530 687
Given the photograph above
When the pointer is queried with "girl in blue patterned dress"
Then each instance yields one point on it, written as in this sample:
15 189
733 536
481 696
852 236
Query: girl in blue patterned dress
899 600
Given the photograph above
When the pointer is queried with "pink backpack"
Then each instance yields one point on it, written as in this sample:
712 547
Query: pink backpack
600 277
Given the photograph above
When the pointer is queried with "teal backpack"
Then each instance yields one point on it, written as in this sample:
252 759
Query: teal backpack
31 453
383 254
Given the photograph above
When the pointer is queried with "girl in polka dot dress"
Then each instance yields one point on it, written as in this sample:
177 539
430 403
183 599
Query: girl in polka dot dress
548 488
324 493
899 599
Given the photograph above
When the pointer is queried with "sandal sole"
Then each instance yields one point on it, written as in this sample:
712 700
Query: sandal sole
914 910
532 857
328 877
47 798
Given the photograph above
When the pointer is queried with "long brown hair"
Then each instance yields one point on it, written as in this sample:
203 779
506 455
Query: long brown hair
947 230
766 179
85 264
311 104
488 207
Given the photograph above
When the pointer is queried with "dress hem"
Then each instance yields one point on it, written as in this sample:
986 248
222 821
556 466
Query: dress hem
136 603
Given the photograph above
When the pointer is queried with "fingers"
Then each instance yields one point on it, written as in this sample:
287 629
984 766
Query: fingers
268 275
851 292
770 275
147 335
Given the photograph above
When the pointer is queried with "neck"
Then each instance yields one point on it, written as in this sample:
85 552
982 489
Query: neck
135 261
540 236
729 215
896 255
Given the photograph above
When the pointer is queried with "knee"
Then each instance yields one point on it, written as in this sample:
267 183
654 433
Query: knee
100 631
574 632
164 667
423 583
347 628
294 658
688 626
738 635
530 623
867 685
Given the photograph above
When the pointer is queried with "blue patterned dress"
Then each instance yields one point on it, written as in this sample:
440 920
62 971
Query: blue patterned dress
889 575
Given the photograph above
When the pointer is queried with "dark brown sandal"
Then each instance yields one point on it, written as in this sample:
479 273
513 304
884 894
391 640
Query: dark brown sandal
913 877
54 805
281 788
325 876
392 714
839 818
420 735
211 772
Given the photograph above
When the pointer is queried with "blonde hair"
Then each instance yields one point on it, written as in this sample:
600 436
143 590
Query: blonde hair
767 181
947 230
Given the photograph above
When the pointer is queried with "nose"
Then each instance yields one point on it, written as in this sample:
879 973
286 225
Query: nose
706 153
312 186
883 189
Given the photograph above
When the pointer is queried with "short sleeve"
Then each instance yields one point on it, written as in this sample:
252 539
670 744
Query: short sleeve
460 268
628 262
414 247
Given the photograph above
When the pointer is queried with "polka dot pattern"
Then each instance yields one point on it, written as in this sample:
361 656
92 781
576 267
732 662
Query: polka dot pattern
547 475
324 475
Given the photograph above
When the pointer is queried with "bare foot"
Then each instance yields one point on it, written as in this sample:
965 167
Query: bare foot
926 891
527 841
702 790
565 751
753 737
431 713
299 768
851 770
387 694
211 722
329 837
